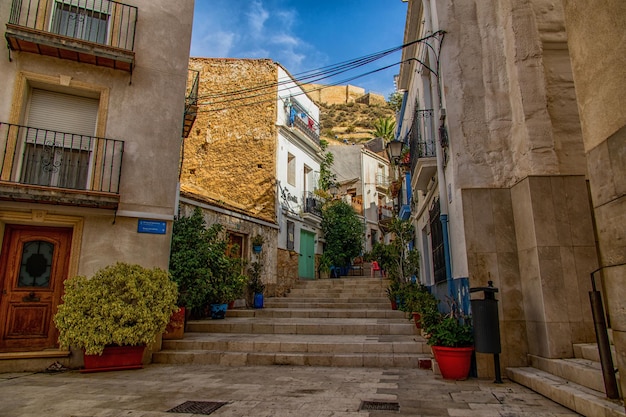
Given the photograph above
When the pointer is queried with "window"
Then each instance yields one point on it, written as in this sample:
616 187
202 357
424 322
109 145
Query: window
291 169
290 235
436 241
85 19
58 143
306 186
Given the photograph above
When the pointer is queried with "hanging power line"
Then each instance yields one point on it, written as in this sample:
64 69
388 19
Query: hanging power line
315 75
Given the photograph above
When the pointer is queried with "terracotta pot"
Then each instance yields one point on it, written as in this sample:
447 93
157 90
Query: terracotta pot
115 358
417 318
394 305
176 327
454 362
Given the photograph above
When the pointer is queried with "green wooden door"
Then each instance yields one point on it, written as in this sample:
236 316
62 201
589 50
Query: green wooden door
306 264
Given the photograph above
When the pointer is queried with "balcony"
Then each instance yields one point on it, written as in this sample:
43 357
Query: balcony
312 204
98 32
385 213
191 101
423 149
299 119
357 205
382 182
52 167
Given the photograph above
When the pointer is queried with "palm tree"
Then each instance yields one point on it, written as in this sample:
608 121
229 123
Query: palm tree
385 128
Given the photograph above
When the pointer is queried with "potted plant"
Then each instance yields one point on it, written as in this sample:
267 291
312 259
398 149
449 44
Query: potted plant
225 281
255 284
189 261
120 310
343 233
451 338
257 243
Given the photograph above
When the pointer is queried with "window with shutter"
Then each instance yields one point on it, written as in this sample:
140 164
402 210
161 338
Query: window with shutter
59 139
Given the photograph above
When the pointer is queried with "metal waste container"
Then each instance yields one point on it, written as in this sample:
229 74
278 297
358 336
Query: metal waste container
487 325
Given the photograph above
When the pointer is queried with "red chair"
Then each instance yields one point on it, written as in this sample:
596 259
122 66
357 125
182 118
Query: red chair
375 267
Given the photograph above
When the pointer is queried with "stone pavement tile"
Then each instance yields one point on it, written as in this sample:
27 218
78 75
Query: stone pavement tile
265 391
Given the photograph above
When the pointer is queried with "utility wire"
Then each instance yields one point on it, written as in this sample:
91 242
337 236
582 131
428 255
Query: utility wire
321 73
273 98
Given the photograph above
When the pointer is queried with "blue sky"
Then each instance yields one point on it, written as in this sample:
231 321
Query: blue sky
304 35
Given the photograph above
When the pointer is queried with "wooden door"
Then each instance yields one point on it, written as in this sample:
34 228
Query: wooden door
306 264
33 265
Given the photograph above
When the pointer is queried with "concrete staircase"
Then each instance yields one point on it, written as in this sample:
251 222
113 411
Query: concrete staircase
576 383
332 322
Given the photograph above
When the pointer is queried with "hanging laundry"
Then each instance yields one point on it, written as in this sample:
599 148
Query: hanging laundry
311 123
292 116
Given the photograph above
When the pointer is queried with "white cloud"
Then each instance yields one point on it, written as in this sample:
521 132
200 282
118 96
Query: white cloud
284 39
214 44
257 16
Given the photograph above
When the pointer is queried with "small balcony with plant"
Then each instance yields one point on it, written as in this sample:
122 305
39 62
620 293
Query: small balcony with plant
45 166
98 32
301 121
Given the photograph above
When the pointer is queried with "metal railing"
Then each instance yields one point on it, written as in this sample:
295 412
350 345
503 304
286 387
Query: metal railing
382 180
104 22
312 204
422 137
59 160
191 101
299 118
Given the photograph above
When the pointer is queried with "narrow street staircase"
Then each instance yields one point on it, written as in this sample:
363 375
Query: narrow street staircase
346 322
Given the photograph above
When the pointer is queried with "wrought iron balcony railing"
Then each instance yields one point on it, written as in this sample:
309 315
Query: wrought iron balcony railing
312 204
59 27
299 118
59 160
422 137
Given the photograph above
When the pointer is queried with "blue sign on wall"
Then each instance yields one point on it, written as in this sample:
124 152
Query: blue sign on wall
156 227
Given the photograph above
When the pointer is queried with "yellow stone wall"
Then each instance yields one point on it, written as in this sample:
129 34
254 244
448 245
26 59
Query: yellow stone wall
336 94
230 154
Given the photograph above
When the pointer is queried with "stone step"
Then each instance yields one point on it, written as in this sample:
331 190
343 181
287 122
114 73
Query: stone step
287 303
323 299
327 326
590 351
361 293
583 400
580 371
369 360
317 313
283 343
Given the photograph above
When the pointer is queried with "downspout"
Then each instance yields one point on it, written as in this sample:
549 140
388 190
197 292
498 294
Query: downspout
441 175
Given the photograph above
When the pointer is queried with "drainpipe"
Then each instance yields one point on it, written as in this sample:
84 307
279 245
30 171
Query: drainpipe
439 111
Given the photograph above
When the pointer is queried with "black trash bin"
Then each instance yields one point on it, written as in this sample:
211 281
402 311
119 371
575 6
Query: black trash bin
487 325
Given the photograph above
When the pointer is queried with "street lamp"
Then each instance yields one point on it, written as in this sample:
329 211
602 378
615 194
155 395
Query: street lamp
394 150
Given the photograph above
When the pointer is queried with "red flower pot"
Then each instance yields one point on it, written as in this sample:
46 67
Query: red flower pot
394 305
115 358
454 362
176 327
416 318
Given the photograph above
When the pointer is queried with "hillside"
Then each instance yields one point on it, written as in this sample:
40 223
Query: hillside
352 122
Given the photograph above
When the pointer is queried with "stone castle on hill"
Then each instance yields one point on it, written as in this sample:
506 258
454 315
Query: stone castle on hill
342 94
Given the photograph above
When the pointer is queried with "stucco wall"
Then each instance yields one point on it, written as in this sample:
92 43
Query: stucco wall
143 110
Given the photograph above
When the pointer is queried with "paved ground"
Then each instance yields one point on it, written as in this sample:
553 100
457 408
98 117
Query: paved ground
276 391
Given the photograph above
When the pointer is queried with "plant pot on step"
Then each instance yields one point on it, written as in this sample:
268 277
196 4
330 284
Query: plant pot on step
454 362
218 311
115 358
417 319
176 327
258 300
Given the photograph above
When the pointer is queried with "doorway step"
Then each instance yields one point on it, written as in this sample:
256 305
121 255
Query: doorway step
576 383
